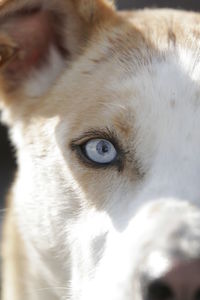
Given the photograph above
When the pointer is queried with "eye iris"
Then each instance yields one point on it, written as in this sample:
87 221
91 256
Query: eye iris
100 151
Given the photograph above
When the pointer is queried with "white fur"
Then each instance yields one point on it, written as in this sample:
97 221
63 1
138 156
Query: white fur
167 115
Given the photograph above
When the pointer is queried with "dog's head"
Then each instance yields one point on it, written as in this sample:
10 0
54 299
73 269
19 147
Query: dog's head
104 110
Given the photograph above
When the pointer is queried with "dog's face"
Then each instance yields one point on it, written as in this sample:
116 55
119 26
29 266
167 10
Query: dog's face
105 115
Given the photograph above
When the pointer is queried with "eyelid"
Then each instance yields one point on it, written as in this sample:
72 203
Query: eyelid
96 134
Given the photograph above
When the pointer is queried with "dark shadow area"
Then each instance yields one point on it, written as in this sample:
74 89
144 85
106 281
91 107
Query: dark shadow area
182 4
7 164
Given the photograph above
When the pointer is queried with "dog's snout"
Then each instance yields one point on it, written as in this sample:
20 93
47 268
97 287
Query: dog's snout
159 290
181 282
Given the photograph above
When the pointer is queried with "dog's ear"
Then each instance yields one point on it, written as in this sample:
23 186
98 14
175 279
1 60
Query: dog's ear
39 37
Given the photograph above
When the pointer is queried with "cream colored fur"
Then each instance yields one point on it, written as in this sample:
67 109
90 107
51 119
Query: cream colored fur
76 232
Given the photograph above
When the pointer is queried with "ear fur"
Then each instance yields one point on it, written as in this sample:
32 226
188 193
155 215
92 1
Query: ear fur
38 38
94 10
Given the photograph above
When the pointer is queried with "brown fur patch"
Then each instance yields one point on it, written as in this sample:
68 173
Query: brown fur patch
13 265
122 125
93 11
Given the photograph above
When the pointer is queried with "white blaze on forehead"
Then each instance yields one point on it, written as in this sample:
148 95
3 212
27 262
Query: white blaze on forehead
172 77
190 61
164 98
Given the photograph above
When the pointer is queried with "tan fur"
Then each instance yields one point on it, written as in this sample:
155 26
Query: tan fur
13 257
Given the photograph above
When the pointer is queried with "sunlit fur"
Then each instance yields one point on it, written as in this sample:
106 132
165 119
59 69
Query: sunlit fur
75 232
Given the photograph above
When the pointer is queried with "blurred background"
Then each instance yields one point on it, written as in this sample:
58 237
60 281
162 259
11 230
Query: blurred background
7 162
184 4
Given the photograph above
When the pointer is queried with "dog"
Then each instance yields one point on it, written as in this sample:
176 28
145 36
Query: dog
103 108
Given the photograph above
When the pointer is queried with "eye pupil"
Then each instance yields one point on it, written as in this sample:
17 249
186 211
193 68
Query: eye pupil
103 147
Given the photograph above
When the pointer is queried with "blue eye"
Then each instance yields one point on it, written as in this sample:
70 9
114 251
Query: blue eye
100 151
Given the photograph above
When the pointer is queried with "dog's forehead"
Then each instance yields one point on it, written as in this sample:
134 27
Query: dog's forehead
136 66
137 73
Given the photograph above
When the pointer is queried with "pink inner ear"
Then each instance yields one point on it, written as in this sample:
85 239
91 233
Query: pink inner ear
34 34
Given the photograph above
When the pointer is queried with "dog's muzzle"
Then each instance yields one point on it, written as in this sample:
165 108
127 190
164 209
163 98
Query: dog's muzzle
182 281
170 265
